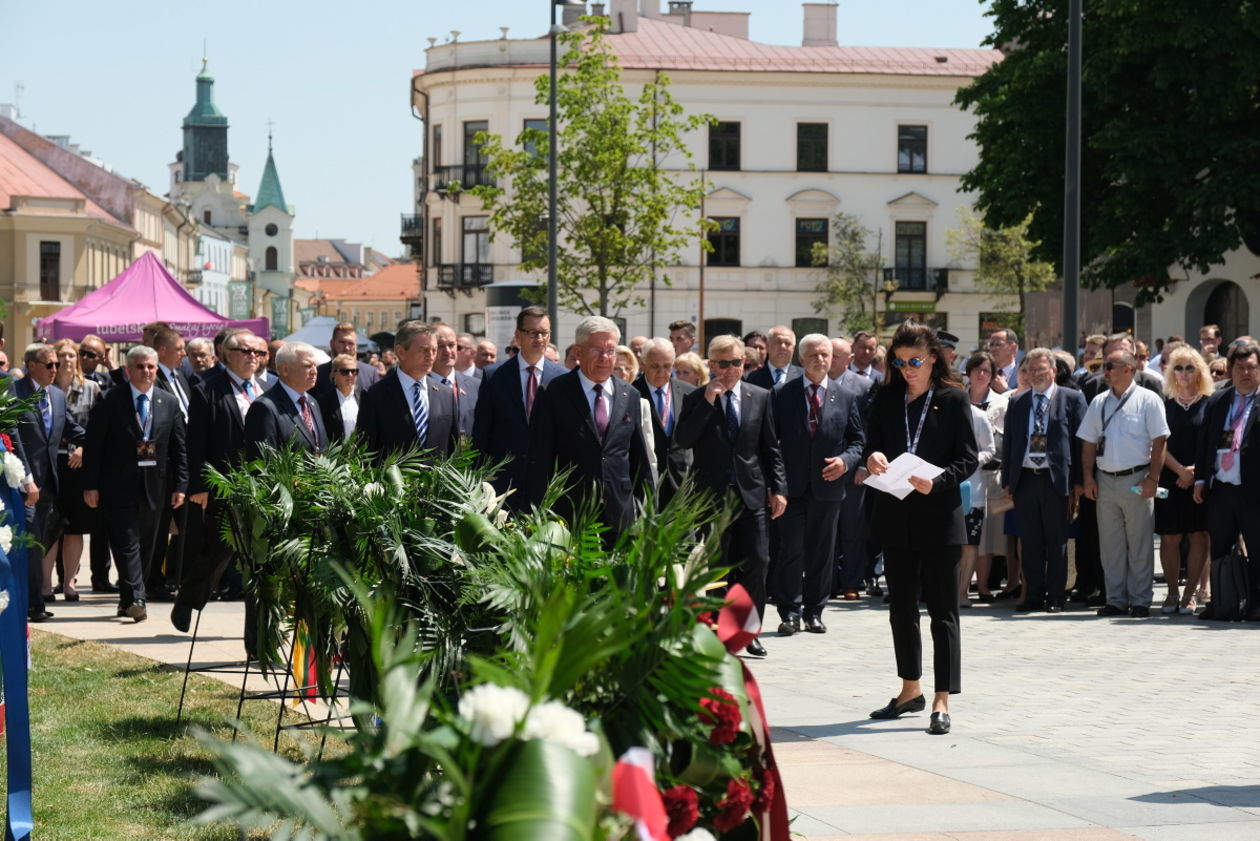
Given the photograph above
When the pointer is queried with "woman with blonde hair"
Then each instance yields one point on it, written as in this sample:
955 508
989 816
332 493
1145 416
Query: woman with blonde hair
691 369
625 364
76 520
1187 384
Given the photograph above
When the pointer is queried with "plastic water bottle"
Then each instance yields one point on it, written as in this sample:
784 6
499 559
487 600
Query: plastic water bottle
1160 493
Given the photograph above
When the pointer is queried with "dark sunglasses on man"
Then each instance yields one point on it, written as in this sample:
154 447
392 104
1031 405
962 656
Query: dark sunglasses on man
728 363
89 354
348 372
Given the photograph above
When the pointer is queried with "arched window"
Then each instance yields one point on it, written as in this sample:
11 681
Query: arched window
272 259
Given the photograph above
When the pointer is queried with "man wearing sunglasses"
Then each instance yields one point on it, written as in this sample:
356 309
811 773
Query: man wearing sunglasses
94 361
729 426
41 431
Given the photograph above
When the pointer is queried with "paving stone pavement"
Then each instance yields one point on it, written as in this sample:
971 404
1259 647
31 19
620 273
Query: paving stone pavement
1070 727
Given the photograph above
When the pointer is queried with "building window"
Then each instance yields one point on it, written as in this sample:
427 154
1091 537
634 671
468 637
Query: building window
472 149
435 154
724 146
205 216
804 326
725 242
809 232
271 260
476 246
530 147
912 148
435 248
811 147
50 271
910 258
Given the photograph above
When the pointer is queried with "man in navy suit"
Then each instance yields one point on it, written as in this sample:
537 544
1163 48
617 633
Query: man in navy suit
588 421
40 433
506 400
287 414
169 558
344 340
729 426
660 388
1041 467
134 464
865 343
778 368
409 409
819 427
858 556
464 387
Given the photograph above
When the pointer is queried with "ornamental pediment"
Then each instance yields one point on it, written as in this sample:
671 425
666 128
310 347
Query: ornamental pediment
912 199
813 196
727 194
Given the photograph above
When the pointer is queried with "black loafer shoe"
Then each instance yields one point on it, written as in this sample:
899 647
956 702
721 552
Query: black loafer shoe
1028 607
756 649
1111 610
815 625
181 617
895 710
104 588
1139 612
790 626
39 616
137 612
939 725
1054 606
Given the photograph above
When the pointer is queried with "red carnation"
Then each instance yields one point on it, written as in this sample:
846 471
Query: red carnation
683 808
765 796
734 807
722 711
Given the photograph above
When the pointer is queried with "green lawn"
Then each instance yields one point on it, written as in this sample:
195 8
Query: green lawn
109 760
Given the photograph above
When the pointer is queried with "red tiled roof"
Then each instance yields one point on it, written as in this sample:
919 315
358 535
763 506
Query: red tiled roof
398 282
22 174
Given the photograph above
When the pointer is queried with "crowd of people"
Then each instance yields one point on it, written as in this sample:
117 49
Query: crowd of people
1039 451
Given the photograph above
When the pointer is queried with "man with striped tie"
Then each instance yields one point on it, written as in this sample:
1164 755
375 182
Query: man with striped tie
666 395
169 554
407 408
778 368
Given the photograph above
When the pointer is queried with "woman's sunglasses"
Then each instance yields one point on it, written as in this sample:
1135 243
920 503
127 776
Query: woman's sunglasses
913 362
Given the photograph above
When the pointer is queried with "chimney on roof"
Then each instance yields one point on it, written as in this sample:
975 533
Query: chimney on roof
683 8
572 13
820 25
625 15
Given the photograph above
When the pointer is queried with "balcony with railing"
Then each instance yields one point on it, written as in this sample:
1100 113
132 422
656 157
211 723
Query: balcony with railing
411 233
907 279
464 275
466 175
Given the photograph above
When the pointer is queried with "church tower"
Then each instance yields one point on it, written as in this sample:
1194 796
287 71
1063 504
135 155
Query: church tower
205 133
271 245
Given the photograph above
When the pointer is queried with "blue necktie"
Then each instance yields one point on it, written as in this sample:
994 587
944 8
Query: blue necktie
420 413
142 409
1039 426
249 390
45 412
778 375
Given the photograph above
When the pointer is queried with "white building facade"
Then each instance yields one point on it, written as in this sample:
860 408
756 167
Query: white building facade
801 133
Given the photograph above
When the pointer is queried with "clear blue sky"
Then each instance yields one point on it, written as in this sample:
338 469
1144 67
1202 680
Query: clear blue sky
332 76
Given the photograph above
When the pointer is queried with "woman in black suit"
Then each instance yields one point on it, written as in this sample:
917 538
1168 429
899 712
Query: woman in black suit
922 408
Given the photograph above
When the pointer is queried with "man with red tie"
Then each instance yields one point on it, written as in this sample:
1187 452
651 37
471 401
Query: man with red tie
287 415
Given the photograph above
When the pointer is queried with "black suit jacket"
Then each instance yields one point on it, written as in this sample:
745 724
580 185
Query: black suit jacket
216 429
39 450
1215 414
562 435
764 377
754 458
274 419
385 420
367 378
469 388
164 383
500 429
1063 448
923 521
673 462
839 434
330 407
863 388
109 455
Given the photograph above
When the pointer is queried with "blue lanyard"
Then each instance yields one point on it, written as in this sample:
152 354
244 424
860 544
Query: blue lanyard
1248 400
913 445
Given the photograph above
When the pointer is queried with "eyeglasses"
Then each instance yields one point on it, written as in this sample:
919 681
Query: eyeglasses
88 354
1184 369
913 362
600 351
1111 366
51 366
248 352
463 348
728 363
348 372
536 334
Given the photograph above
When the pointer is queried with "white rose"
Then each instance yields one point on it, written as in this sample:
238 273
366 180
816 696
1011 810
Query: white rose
492 712
14 472
697 834
6 538
554 722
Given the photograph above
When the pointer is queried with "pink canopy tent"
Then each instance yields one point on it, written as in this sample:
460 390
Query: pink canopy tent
142 293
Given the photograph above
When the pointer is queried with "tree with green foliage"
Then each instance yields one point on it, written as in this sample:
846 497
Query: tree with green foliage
621 212
851 274
1170 144
1004 261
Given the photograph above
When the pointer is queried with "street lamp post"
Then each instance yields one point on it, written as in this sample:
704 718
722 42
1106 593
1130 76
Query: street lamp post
553 306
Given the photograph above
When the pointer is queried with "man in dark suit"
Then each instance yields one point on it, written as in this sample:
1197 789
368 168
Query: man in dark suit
40 432
588 421
819 427
729 426
505 403
666 394
286 414
865 344
464 387
858 556
1041 466
94 363
778 368
169 556
345 340
216 438
407 409
133 461
1227 468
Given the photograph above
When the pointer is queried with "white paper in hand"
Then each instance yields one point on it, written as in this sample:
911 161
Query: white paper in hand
896 480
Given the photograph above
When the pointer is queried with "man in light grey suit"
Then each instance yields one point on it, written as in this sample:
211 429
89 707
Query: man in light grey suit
464 388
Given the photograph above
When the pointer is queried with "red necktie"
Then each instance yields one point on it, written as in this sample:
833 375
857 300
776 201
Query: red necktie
815 409
307 417
531 390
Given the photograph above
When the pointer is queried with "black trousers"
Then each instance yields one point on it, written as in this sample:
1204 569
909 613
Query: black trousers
207 556
807 548
98 549
1042 515
40 519
934 574
1089 576
745 548
851 539
169 556
133 539
1234 510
